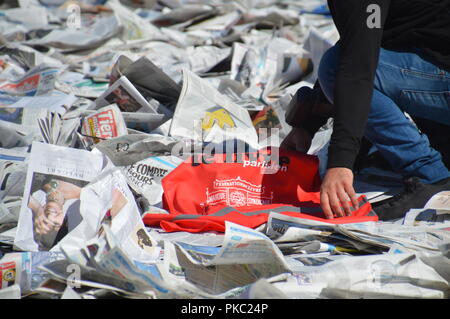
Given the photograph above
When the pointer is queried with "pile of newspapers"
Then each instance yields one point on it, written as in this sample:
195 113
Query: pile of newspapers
101 100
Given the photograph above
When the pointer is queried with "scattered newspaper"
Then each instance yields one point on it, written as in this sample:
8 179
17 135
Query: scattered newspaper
101 100
375 276
83 38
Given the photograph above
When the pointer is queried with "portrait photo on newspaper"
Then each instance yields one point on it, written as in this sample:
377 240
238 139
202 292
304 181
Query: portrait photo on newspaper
54 202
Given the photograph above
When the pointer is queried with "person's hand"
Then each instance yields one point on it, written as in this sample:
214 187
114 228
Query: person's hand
298 139
42 225
336 191
48 218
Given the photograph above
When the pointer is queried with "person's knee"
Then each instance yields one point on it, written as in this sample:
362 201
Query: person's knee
327 68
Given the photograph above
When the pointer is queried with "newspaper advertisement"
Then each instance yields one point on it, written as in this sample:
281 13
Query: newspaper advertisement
145 176
10 270
51 200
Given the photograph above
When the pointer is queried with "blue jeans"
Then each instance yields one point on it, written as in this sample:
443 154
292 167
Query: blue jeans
404 82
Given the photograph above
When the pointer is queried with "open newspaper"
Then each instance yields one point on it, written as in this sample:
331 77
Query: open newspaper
103 264
23 96
368 237
51 200
436 213
55 130
132 148
145 176
24 111
204 114
402 275
108 201
126 96
245 255
147 78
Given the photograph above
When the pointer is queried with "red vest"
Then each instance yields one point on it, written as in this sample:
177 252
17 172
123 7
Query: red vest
205 191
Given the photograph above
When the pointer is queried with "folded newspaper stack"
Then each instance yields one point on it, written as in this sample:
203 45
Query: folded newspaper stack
106 103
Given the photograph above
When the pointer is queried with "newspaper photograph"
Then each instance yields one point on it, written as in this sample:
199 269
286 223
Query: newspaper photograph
51 201
126 96
8 113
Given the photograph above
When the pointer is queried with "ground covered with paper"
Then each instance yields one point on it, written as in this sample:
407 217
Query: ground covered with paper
139 158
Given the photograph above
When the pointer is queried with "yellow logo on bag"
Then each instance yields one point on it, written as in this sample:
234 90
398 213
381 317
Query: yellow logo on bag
217 115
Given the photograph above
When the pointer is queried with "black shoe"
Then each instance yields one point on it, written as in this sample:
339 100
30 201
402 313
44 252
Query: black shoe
415 195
